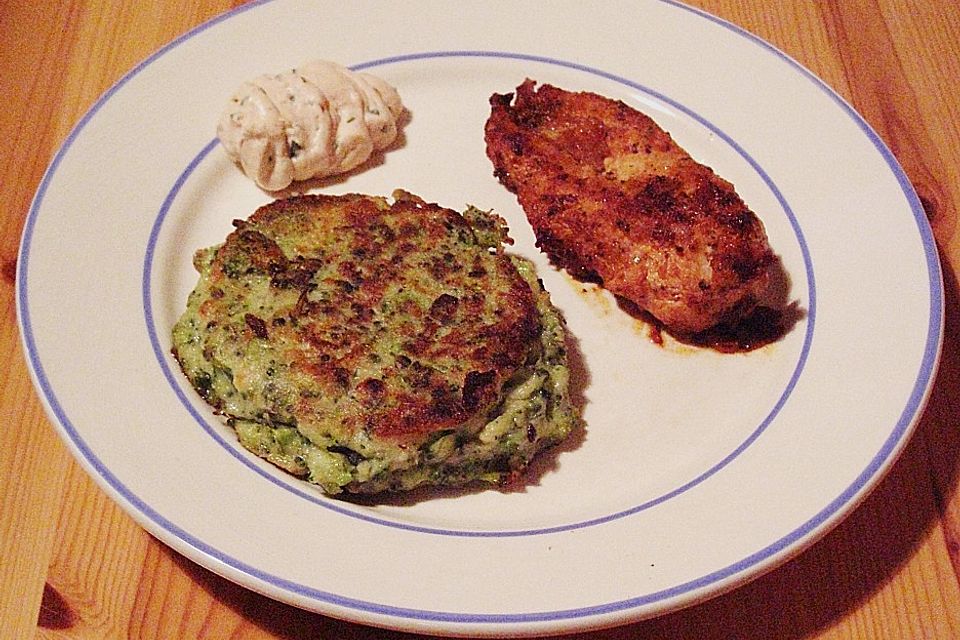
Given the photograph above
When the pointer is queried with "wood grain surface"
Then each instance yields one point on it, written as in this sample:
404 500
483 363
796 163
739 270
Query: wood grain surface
73 565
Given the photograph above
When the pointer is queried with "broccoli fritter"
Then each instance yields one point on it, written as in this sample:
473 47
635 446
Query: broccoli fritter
373 346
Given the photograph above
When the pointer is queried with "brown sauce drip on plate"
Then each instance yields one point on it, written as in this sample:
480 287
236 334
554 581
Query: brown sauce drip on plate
762 326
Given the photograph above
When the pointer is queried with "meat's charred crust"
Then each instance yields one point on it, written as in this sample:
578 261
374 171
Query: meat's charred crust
613 199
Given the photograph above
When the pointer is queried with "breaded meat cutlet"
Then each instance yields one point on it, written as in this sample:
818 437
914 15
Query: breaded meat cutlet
370 346
613 199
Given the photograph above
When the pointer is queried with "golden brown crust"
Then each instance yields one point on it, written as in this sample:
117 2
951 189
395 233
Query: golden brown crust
390 318
612 198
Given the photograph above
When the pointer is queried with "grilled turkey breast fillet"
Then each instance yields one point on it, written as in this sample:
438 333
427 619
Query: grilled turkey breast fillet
613 199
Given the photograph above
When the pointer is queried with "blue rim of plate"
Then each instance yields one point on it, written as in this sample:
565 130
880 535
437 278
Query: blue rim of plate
830 513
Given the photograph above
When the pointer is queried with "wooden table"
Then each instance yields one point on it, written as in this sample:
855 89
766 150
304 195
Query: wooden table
72 564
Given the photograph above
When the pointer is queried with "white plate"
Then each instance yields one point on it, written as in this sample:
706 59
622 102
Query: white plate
697 471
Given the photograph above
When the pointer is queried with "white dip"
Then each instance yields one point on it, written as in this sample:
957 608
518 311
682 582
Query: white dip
316 120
